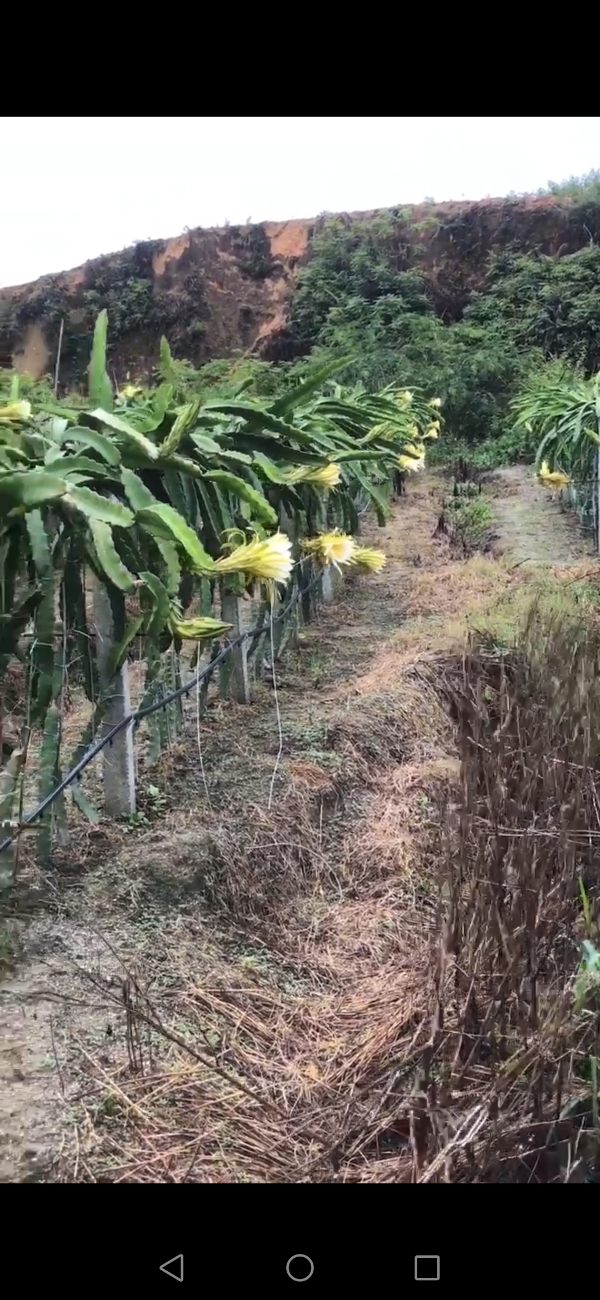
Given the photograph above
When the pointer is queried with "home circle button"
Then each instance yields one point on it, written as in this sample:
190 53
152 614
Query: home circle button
299 1268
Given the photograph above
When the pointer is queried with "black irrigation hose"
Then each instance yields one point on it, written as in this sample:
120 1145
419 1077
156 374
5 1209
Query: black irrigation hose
140 714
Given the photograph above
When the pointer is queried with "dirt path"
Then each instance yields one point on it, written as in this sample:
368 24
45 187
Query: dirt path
281 942
530 524
30 1115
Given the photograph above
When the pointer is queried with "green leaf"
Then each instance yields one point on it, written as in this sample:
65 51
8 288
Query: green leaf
386 454
108 556
32 487
70 465
99 386
382 509
269 468
259 418
48 771
57 408
133 436
215 517
184 420
168 551
206 445
166 367
162 603
231 483
181 463
33 445
288 454
547 443
39 543
163 521
14 457
74 612
91 438
176 491
94 506
138 495
297 395
8 783
156 723
242 388
227 453
9 438
118 654
160 402
57 428
84 804
13 624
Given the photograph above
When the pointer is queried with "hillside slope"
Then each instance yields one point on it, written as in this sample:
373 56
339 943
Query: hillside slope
215 292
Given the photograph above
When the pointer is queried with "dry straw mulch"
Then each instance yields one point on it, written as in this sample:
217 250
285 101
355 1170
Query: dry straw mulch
374 979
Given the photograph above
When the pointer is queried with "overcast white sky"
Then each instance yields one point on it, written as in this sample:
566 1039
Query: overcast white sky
75 187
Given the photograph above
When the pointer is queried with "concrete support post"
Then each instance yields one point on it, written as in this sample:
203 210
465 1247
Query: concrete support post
119 767
238 678
328 585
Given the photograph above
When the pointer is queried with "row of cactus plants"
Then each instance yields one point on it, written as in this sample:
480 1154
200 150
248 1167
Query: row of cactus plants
162 498
561 410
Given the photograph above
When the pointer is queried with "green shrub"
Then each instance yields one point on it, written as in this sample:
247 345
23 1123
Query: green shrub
576 187
544 303
472 518
366 293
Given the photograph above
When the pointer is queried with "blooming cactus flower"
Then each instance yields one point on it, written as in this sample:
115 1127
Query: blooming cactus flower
552 478
327 476
130 391
15 411
408 464
369 558
269 560
332 548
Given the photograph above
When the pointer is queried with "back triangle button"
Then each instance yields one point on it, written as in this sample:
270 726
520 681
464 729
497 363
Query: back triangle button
174 1268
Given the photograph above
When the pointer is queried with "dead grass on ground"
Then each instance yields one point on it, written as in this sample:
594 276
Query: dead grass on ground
360 983
518 1019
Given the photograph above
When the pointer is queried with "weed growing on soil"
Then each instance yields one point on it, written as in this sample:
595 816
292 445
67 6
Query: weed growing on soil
472 519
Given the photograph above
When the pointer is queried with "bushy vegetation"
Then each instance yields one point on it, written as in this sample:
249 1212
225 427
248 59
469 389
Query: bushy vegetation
545 303
472 519
576 187
366 291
